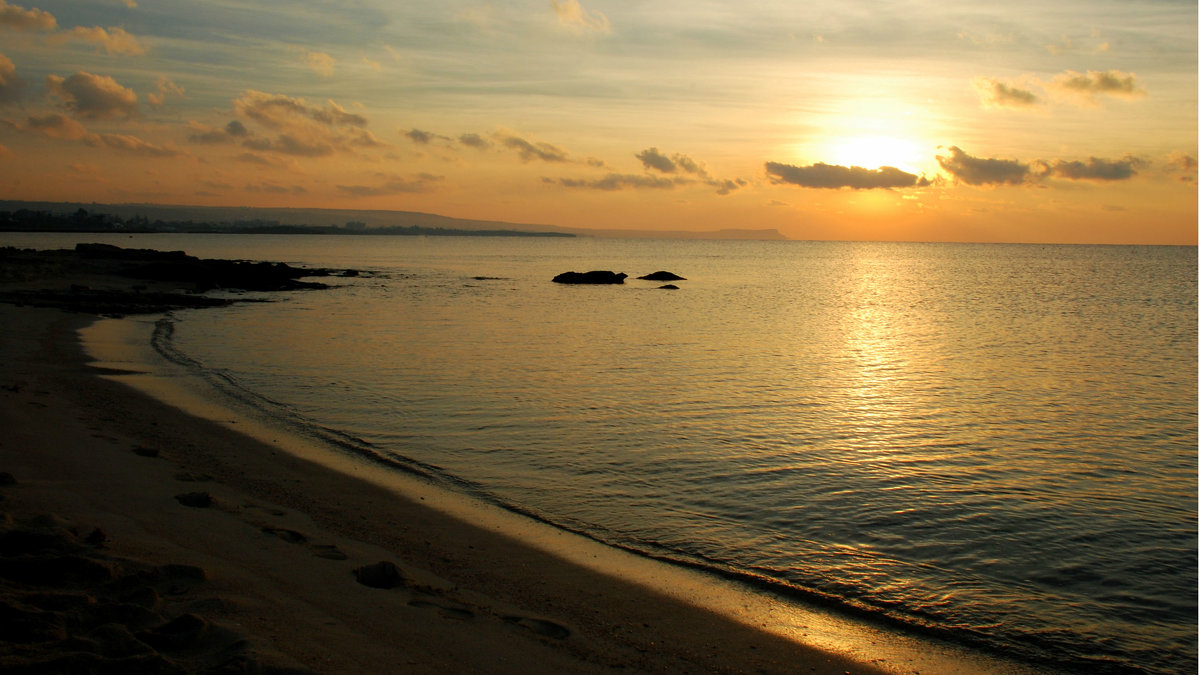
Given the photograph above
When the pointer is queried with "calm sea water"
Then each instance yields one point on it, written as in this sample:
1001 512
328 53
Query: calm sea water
993 443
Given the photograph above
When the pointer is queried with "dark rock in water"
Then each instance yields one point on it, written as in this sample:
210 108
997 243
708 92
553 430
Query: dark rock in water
382 574
669 287
198 500
593 277
663 276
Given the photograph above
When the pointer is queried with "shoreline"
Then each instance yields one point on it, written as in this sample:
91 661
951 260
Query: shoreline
105 433
79 446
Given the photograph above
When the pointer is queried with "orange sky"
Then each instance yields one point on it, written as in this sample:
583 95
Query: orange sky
971 121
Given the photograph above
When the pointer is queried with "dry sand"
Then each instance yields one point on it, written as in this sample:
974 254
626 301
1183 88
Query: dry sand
138 538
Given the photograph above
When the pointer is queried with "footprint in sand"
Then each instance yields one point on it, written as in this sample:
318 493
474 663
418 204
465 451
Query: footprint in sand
447 610
326 551
290 536
540 627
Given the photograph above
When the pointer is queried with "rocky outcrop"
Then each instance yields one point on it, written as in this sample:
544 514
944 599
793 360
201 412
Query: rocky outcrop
663 276
593 277
109 280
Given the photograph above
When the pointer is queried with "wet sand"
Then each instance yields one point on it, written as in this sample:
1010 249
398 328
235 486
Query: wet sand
136 536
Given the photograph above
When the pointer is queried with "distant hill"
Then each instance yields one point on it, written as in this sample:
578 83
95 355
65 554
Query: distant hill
350 219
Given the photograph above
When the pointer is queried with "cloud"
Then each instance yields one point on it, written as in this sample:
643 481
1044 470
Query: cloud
279 111
259 160
11 84
424 137
274 189
530 151
614 181
1096 83
112 40
653 159
574 16
979 171
57 125
304 130
5 152
94 96
394 185
997 94
320 63
137 146
163 87
1096 169
474 141
203 133
289 144
835 176
19 18
725 186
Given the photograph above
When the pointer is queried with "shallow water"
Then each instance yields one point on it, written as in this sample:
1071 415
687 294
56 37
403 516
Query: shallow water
993 443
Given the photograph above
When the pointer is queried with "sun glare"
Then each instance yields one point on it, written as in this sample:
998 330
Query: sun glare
872 152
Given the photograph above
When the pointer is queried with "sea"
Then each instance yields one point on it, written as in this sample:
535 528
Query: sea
993 445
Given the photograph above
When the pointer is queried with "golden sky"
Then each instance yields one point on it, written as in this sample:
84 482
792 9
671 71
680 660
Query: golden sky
1019 121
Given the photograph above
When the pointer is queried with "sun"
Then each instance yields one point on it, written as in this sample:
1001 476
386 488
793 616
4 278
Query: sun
872 152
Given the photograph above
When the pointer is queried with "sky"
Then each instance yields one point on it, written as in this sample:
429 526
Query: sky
1070 121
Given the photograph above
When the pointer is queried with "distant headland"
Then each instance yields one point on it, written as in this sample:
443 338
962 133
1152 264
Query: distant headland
28 216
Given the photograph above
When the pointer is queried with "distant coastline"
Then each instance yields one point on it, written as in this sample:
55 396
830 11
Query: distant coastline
101 221
31 216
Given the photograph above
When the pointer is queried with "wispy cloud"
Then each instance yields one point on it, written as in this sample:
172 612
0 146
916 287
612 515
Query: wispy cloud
276 189
614 181
532 150
1071 86
57 125
163 87
320 63
231 132
111 40
1096 169
833 176
474 141
1098 83
424 137
393 185
997 94
572 14
651 158
93 96
137 146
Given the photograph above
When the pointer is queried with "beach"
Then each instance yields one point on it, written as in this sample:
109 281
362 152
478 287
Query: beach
139 536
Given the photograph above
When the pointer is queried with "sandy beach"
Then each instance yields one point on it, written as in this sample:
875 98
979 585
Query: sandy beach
137 537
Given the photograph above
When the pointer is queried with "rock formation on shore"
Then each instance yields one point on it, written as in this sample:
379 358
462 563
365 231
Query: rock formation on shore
105 279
